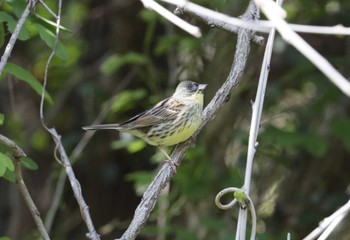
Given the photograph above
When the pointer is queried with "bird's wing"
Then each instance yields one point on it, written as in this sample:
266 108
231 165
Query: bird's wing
166 110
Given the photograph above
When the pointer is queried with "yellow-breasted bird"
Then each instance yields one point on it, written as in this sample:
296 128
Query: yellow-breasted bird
169 122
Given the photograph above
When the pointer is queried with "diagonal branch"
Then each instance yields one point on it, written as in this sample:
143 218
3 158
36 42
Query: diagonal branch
7 53
165 173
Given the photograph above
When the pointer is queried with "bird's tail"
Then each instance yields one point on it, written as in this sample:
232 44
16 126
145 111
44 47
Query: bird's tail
103 126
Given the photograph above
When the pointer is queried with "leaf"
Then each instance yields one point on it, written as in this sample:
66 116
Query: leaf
126 99
9 176
114 62
4 159
341 129
2 168
136 146
29 163
38 18
314 144
11 25
5 163
26 76
49 38
2 35
5 238
165 43
2 119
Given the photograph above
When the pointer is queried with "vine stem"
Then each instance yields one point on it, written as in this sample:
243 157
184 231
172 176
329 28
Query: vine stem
257 107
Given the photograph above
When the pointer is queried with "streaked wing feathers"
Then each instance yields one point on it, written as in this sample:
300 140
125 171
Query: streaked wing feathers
166 110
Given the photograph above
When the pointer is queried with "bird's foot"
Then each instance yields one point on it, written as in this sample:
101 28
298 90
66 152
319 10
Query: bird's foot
172 164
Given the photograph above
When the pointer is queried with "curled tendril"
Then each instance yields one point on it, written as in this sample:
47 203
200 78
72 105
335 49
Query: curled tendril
229 205
244 201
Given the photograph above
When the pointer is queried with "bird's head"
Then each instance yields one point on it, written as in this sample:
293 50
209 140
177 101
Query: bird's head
189 89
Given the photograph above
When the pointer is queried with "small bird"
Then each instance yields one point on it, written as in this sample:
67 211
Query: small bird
169 122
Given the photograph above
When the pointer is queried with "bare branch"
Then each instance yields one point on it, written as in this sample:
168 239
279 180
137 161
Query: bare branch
14 36
75 185
18 152
336 217
64 160
303 47
231 24
80 147
215 22
193 30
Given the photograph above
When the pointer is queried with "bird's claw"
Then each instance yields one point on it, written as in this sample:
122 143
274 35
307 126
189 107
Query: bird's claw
172 164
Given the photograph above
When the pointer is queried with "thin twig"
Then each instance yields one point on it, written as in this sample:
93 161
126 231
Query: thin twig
165 173
214 22
193 30
323 225
48 9
303 47
7 53
84 209
231 24
80 147
17 153
219 17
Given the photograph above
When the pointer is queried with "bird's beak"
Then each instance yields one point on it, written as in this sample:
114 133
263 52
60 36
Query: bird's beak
201 87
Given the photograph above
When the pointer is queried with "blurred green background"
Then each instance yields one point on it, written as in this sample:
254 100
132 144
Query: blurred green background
118 58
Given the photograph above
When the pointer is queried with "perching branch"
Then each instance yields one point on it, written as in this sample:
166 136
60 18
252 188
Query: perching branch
17 153
7 53
165 173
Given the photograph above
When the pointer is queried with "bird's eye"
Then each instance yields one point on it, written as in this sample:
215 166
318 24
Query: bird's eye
191 87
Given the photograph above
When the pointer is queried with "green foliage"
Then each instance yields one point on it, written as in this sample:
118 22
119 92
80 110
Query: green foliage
126 100
316 145
341 129
24 75
11 22
304 155
40 139
141 180
132 145
240 196
5 163
5 238
28 163
2 119
2 34
114 62
49 38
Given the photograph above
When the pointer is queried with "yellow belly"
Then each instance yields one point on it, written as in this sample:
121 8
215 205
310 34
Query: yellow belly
180 136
